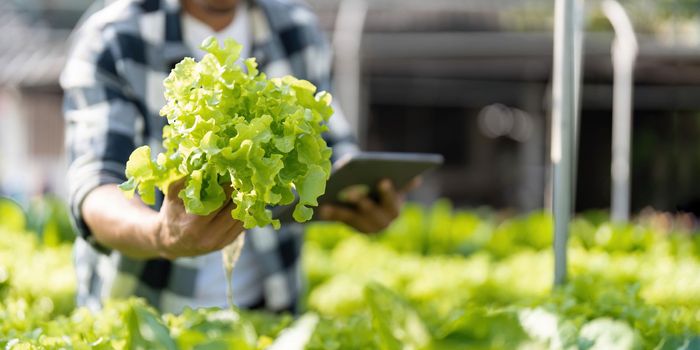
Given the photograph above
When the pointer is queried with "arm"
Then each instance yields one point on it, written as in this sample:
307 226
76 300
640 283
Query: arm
128 226
138 231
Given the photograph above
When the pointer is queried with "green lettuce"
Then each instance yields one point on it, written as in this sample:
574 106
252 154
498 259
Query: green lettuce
231 126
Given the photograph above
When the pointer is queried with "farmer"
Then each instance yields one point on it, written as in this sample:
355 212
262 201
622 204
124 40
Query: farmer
113 92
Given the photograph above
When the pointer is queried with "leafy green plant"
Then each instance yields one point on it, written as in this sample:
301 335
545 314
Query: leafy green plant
631 287
47 217
132 324
233 127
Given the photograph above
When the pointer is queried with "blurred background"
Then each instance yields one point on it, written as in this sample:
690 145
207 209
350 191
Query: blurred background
469 79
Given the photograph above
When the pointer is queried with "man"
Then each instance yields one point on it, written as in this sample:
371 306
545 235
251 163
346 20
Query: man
113 92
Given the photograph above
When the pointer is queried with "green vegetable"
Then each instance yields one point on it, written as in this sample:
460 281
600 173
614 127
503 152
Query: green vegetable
234 127
474 281
632 286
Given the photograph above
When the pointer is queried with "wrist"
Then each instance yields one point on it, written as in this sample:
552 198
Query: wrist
153 234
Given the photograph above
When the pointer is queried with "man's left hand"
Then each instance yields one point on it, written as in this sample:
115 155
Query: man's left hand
366 215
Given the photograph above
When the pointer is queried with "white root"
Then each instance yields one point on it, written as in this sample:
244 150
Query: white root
230 254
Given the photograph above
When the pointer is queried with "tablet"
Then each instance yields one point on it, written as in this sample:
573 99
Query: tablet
362 171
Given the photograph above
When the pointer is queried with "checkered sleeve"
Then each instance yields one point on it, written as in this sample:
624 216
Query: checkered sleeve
103 122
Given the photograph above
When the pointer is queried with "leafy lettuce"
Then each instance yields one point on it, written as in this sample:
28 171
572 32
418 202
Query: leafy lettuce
231 126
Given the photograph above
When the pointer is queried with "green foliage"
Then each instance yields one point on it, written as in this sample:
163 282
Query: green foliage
35 274
37 309
476 281
132 324
12 215
397 325
347 333
472 281
232 127
26 298
48 217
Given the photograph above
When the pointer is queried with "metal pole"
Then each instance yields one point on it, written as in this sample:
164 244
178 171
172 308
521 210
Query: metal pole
579 34
563 112
624 54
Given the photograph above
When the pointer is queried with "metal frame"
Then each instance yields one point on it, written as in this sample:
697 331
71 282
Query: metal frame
568 36
624 54
563 128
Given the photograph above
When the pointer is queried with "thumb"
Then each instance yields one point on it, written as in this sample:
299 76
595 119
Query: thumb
175 187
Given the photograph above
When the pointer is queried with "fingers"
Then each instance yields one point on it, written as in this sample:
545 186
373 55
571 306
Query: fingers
346 216
389 199
367 215
222 217
325 212
367 218
228 189
231 234
175 187
223 238
185 234
219 232
412 185
373 214
226 207
227 226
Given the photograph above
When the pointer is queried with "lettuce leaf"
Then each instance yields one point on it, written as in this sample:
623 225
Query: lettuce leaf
231 126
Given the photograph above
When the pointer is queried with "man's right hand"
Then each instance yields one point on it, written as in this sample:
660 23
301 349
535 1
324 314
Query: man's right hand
180 234
137 231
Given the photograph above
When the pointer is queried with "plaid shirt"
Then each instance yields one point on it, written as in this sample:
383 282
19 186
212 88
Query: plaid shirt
113 93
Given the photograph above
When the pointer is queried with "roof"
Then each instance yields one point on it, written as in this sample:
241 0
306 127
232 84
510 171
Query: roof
31 52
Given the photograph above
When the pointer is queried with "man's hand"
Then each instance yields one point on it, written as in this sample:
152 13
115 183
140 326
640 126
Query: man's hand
136 230
369 216
180 234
